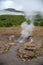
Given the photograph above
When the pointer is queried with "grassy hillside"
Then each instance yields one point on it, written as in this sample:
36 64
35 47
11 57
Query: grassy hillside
11 20
16 20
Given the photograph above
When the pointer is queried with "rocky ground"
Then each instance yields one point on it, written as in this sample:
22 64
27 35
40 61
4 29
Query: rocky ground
9 46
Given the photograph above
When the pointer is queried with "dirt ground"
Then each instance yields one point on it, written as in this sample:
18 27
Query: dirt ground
10 57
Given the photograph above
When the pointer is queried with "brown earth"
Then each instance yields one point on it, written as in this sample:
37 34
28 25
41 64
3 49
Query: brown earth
10 57
38 31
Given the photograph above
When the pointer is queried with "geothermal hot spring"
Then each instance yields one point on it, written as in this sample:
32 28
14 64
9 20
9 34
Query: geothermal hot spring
16 49
27 29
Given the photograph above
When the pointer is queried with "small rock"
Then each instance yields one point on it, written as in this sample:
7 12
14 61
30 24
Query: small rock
11 37
29 46
11 43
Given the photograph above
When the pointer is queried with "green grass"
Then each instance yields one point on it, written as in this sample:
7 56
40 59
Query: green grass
16 20
11 20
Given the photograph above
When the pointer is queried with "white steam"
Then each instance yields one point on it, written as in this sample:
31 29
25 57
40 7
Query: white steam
27 30
30 8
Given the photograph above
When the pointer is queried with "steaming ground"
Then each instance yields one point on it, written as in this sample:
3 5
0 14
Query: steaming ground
26 31
11 58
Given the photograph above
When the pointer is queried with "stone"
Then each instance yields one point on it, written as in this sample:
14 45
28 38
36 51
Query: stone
25 54
29 46
11 43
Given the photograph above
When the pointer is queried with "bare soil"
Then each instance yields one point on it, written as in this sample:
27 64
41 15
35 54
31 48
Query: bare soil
10 57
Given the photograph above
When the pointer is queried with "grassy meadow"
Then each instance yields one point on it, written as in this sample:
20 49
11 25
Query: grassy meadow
16 20
11 20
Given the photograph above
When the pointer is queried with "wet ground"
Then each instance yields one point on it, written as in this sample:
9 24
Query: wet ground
11 58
